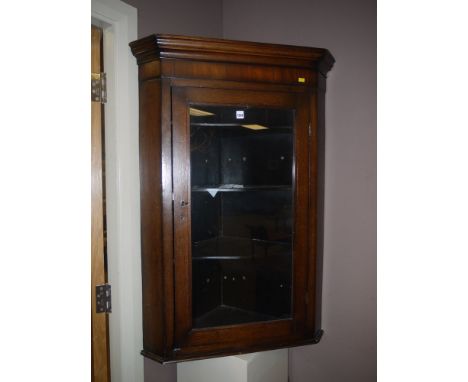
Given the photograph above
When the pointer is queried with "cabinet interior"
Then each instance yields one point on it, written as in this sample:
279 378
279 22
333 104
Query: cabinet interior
242 171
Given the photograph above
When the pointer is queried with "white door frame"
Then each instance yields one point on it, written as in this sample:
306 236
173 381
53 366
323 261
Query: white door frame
119 23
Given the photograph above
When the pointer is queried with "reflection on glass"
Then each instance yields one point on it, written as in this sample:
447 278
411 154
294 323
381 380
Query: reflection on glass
242 214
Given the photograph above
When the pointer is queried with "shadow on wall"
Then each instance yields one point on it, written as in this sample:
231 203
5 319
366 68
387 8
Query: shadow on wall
155 372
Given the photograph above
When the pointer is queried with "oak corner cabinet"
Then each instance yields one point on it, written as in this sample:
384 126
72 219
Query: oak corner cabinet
231 181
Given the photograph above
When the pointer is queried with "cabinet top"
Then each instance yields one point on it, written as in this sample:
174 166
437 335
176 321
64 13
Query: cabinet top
160 46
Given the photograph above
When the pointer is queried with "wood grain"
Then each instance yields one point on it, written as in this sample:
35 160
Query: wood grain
167 217
151 214
155 47
237 72
99 321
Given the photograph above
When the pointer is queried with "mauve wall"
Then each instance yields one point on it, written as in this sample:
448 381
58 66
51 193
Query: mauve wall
188 17
347 352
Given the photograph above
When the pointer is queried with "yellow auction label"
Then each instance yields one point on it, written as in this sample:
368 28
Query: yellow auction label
301 79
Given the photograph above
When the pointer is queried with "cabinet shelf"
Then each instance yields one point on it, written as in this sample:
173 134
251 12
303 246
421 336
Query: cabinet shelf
230 247
224 315
240 188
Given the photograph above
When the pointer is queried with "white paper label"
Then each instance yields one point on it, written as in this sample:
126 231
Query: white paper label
240 114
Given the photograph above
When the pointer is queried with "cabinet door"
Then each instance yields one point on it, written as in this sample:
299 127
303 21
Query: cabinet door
240 178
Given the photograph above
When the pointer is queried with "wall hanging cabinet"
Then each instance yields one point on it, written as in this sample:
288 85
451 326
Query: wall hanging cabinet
231 168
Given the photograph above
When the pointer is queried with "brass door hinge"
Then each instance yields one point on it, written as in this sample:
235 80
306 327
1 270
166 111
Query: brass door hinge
98 87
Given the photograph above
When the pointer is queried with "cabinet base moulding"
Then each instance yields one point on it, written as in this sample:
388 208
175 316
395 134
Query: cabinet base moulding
187 357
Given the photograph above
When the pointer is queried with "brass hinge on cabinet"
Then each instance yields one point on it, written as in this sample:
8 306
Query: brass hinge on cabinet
103 299
98 87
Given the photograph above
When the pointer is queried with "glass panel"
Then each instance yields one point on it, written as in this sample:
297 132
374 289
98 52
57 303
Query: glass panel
242 214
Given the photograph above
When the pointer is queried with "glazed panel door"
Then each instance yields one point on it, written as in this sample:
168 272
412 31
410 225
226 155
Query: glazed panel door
240 216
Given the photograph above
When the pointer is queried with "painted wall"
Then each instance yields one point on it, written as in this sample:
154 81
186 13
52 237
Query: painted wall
347 351
188 17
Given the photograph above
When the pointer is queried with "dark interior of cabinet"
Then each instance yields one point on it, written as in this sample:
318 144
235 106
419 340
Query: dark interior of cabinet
242 162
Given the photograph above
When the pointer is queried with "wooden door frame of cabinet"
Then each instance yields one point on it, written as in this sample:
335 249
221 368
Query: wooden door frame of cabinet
292 329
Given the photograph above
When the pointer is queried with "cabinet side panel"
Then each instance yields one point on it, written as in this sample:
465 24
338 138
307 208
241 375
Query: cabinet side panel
316 212
151 215
320 198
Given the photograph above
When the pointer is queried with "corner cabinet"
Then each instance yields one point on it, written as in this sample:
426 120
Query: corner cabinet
231 169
